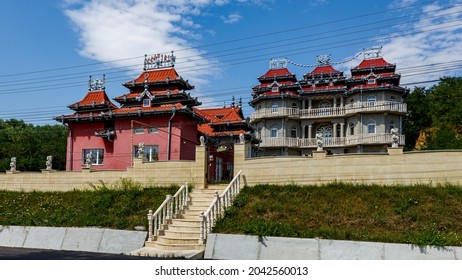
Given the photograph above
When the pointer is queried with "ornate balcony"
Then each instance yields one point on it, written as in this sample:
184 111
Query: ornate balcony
363 139
349 109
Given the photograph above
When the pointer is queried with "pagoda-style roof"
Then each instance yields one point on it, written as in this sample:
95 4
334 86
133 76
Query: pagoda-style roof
323 70
369 63
277 74
165 109
96 100
231 120
161 76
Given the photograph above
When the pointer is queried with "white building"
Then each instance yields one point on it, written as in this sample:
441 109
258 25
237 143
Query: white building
353 115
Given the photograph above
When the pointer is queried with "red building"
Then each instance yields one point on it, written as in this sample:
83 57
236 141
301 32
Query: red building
158 111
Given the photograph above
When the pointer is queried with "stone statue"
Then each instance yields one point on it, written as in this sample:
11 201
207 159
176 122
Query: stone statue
49 162
89 160
241 138
319 142
141 150
394 137
202 140
13 164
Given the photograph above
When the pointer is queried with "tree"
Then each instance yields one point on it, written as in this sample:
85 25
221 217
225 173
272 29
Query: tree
445 100
31 145
418 116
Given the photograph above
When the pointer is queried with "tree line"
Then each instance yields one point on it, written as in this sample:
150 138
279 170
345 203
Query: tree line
435 116
31 145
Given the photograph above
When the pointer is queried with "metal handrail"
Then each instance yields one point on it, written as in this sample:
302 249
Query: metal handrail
171 205
220 203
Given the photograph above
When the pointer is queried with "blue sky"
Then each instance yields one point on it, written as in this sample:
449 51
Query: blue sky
50 48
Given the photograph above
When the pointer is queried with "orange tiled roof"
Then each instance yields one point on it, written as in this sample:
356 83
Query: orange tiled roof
221 115
157 75
276 72
373 62
95 97
325 69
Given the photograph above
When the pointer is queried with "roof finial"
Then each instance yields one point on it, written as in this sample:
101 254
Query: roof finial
224 104
324 59
232 102
240 102
89 84
145 62
374 52
103 86
278 63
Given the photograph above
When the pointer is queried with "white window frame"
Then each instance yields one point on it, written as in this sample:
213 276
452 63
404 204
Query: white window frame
98 156
274 132
138 130
274 107
152 130
146 104
371 100
151 152
371 127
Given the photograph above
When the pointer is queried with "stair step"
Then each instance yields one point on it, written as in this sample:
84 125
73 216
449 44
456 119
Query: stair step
177 240
182 234
174 247
187 228
186 222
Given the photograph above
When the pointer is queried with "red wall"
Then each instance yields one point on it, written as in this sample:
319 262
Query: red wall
118 154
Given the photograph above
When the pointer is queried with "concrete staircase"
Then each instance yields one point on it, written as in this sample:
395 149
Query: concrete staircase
182 233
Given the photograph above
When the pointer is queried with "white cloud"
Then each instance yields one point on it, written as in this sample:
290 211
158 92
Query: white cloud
436 38
111 30
231 18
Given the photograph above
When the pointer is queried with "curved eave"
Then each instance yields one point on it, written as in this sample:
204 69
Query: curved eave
97 117
89 108
321 91
179 80
275 96
272 78
373 69
379 88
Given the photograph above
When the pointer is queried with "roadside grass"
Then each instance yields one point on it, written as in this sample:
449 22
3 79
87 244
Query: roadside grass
122 205
417 214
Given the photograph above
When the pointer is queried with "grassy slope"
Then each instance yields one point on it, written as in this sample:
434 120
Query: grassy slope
422 215
122 206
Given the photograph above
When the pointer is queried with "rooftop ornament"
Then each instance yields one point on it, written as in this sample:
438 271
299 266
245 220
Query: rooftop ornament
324 59
97 84
374 52
278 63
159 61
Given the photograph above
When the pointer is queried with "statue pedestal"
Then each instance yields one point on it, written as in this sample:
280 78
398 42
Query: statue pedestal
395 151
319 154
12 172
48 170
87 169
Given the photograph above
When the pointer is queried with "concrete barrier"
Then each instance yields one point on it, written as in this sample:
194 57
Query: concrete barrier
72 239
240 247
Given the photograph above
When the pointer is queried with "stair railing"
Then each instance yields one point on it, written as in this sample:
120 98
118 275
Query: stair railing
172 205
219 204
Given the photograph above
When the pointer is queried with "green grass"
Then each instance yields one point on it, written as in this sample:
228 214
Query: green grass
419 214
123 205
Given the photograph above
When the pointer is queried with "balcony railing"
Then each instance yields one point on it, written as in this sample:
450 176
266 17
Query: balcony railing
382 138
349 109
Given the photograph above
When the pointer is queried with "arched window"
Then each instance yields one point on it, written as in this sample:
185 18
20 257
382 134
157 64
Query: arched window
325 104
325 130
352 128
392 125
371 99
274 107
371 127
274 132
293 132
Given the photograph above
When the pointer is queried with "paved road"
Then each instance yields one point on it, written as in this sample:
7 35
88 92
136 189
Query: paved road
8 253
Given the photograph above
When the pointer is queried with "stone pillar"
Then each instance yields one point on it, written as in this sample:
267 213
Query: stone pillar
309 103
335 101
241 153
341 101
334 128
200 173
342 129
310 128
395 151
138 162
319 154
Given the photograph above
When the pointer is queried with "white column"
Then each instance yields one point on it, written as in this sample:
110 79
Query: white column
309 131
335 130
342 129
335 101
309 103
341 101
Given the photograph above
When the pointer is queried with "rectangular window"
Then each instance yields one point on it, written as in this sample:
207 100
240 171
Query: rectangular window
274 132
150 153
97 156
139 130
153 130
146 102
